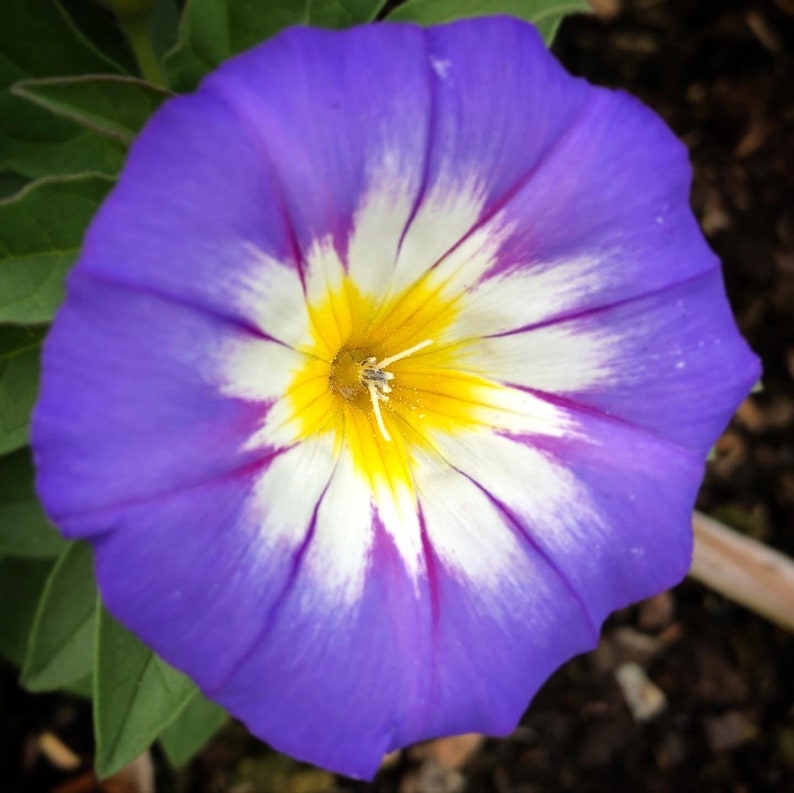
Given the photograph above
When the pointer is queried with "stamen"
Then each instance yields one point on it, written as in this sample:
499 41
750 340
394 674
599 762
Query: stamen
375 397
376 381
400 355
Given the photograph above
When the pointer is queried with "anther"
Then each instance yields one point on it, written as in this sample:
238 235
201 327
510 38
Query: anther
376 380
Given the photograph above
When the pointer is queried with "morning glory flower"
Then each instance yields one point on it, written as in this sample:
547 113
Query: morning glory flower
387 371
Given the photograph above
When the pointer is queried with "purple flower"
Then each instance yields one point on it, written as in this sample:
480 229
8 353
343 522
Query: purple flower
387 372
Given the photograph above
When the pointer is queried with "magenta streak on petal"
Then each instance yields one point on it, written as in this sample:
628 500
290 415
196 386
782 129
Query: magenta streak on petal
430 137
522 532
289 583
258 142
571 405
523 181
433 589
594 310
179 300
238 471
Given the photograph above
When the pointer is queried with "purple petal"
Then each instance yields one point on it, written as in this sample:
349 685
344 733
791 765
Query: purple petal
671 361
195 216
134 400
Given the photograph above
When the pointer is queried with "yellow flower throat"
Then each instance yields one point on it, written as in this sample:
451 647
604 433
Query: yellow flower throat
352 371
384 376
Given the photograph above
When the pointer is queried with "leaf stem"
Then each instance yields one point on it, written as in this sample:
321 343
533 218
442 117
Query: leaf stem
137 33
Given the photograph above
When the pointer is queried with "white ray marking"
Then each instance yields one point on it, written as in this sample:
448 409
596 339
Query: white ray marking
447 213
283 500
383 257
324 276
465 530
552 502
513 410
378 225
533 293
257 369
272 295
553 358
338 556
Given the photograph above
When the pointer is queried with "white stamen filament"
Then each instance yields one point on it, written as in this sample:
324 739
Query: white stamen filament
404 354
376 397
377 381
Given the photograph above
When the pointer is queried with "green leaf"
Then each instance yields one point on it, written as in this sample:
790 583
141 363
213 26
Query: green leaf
213 30
136 695
61 646
24 529
342 13
189 733
164 26
41 231
545 14
97 25
117 107
36 145
19 380
10 183
38 39
21 583
81 688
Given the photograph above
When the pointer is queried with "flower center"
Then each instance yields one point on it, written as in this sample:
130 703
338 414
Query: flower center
354 373
385 377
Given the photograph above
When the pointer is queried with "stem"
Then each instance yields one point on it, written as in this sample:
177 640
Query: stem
137 33
744 570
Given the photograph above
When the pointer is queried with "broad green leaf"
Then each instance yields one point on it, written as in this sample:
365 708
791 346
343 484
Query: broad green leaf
189 733
24 529
164 26
342 13
38 39
107 104
81 688
213 30
21 583
97 25
36 145
106 34
11 183
19 382
136 695
41 230
545 14
61 646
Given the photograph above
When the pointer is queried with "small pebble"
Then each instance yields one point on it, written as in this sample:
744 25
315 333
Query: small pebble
644 698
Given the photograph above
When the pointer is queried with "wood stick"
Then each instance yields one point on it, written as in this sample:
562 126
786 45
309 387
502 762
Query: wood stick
744 570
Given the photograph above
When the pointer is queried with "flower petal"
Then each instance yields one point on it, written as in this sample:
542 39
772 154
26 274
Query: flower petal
594 502
195 218
423 146
334 652
670 362
215 559
130 376
368 85
386 656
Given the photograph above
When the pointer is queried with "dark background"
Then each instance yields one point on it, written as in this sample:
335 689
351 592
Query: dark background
721 73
